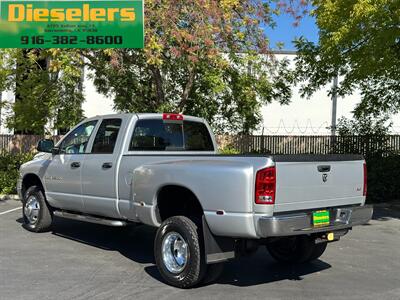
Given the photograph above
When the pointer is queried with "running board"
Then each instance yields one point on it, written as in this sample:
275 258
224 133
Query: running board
90 219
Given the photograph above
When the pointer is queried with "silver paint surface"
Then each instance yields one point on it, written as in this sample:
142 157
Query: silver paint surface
128 191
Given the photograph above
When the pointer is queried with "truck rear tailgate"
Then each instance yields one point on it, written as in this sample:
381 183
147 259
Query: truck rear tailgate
312 181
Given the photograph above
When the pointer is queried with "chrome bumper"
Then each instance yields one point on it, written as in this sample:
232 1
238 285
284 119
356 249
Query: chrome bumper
301 223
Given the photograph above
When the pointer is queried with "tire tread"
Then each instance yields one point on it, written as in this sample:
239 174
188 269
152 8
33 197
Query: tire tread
45 219
197 266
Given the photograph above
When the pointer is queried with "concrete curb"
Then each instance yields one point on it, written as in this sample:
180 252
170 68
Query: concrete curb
9 197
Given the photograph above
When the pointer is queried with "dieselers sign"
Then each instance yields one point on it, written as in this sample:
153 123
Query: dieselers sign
71 24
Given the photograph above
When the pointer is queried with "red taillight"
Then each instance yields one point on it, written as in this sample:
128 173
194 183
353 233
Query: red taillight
266 186
172 117
365 180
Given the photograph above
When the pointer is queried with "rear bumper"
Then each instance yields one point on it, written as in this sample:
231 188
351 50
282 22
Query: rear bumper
301 223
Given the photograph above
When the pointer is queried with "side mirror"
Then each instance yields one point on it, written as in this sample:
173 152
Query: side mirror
45 146
55 150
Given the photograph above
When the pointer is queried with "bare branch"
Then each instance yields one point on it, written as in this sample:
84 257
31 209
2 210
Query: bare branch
187 90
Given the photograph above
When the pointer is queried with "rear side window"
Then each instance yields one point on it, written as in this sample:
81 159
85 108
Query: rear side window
106 137
157 135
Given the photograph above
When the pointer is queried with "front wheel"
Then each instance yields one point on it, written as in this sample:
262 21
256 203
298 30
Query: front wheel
178 252
37 215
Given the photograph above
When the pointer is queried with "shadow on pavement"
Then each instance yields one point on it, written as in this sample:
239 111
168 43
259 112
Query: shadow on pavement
386 212
258 269
136 243
261 269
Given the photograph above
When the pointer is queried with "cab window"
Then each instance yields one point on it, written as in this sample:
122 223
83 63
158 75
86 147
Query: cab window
157 135
76 142
106 136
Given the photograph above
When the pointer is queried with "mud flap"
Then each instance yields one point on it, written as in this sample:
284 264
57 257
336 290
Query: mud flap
218 249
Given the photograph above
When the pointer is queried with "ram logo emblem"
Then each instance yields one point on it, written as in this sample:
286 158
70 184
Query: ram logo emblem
324 177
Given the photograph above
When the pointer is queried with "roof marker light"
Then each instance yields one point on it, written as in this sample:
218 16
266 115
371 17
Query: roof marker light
172 117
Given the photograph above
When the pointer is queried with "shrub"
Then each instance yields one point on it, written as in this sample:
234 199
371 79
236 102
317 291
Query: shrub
9 170
383 178
383 162
229 151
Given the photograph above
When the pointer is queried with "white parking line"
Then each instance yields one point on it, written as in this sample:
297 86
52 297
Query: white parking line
11 210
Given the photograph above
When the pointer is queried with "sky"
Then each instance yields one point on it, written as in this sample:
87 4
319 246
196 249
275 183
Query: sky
285 31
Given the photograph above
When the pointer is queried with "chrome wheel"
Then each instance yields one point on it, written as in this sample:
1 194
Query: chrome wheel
31 210
174 252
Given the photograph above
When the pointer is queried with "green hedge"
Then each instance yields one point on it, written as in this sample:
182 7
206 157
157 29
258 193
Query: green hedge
383 178
229 151
9 170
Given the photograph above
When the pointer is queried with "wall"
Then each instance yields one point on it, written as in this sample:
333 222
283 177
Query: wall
95 103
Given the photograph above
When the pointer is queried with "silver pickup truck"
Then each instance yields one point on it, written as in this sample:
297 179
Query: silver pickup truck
163 170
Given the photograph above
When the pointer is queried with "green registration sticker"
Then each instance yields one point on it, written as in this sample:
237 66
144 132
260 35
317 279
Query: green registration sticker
321 218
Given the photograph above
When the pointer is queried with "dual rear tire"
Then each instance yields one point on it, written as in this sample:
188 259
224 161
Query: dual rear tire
297 249
179 247
179 254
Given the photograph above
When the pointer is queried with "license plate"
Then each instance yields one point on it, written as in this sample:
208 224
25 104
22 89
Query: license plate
321 218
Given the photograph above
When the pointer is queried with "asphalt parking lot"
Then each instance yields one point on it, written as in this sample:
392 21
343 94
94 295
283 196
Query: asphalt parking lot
85 261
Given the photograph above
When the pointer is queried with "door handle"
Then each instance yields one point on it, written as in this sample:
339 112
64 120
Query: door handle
324 169
75 165
107 165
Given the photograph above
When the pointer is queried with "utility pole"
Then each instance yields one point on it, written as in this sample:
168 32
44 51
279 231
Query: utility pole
334 106
334 115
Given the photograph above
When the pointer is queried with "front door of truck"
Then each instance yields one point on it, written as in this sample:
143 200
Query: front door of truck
99 174
63 174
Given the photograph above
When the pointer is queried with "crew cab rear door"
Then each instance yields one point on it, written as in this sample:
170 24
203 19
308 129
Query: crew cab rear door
99 172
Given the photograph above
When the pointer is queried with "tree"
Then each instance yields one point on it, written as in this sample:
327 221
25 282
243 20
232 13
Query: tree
368 126
207 58
372 136
46 84
359 41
